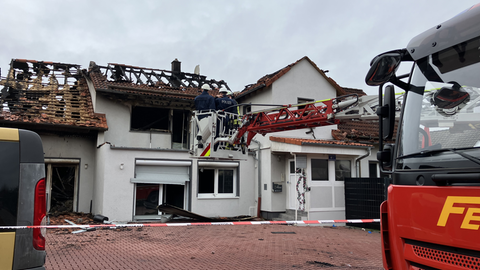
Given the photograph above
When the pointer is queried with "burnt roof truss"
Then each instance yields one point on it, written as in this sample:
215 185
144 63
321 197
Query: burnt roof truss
157 77
47 93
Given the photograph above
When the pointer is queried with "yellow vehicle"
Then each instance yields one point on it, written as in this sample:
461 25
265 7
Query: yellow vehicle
22 199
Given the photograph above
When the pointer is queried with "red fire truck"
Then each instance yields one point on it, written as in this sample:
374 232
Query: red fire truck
431 219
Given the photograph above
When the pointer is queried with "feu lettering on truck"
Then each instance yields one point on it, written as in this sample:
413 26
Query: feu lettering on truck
472 213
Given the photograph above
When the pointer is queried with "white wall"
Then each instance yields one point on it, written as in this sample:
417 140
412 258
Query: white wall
228 207
117 199
302 81
118 133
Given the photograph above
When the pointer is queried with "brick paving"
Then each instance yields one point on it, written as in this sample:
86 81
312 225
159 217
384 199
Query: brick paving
216 247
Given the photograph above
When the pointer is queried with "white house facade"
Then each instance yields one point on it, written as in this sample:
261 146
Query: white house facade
302 171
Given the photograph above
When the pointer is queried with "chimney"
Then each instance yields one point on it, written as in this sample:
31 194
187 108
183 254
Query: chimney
176 66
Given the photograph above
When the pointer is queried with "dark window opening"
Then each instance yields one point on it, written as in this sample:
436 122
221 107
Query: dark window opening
206 181
319 170
180 129
303 100
174 195
150 118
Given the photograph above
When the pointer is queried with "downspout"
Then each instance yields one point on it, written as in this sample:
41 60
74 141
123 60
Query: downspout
357 162
259 200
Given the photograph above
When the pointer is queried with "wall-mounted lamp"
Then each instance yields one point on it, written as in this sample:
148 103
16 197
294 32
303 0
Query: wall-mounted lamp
121 166
86 166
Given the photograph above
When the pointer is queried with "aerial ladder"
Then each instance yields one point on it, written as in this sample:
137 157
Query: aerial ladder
220 134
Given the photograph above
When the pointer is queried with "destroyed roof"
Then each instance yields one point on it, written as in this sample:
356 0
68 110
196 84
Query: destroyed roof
298 141
269 79
48 94
151 83
359 131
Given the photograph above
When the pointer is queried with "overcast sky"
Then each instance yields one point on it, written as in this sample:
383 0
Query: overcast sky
235 41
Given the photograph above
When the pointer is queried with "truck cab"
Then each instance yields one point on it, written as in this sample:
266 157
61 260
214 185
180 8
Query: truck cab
431 219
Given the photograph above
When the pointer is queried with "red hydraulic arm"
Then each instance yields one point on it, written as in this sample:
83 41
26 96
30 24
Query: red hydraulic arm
290 117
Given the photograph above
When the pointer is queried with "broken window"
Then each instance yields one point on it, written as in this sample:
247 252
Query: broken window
217 182
180 132
150 118
319 169
146 199
173 121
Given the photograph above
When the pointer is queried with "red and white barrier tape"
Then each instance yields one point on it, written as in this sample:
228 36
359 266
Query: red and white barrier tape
303 222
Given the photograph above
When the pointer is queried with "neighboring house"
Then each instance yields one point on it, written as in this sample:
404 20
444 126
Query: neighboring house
122 170
324 161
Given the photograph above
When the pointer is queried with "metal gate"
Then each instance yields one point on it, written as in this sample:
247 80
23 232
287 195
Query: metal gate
363 197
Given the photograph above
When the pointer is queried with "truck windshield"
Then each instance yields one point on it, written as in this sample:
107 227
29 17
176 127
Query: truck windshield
441 122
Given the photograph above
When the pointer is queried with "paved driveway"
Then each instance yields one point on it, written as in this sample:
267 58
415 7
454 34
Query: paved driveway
216 247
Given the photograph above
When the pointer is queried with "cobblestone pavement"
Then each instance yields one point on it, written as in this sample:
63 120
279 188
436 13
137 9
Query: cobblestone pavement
215 247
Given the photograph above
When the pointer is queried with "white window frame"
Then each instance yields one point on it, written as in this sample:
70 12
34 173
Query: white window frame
216 167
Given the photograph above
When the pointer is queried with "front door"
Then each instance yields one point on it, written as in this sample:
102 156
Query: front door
292 183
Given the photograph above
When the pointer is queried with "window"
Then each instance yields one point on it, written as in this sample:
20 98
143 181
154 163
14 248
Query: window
342 170
319 169
164 120
303 100
217 183
247 109
148 118
180 129
292 167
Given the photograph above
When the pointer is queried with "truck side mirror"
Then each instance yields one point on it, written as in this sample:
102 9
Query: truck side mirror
383 68
386 113
385 157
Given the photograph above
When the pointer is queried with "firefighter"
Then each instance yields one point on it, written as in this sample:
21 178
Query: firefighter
204 102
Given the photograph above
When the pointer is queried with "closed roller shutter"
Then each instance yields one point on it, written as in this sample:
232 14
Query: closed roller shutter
162 172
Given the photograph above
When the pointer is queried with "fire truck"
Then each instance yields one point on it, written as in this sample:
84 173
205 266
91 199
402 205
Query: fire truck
225 135
431 219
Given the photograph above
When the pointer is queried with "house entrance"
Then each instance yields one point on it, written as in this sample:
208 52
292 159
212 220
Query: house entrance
174 195
157 182
292 185
61 187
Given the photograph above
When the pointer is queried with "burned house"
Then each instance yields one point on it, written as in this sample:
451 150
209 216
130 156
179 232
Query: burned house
116 139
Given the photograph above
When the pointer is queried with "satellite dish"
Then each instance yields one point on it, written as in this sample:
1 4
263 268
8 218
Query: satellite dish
197 70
